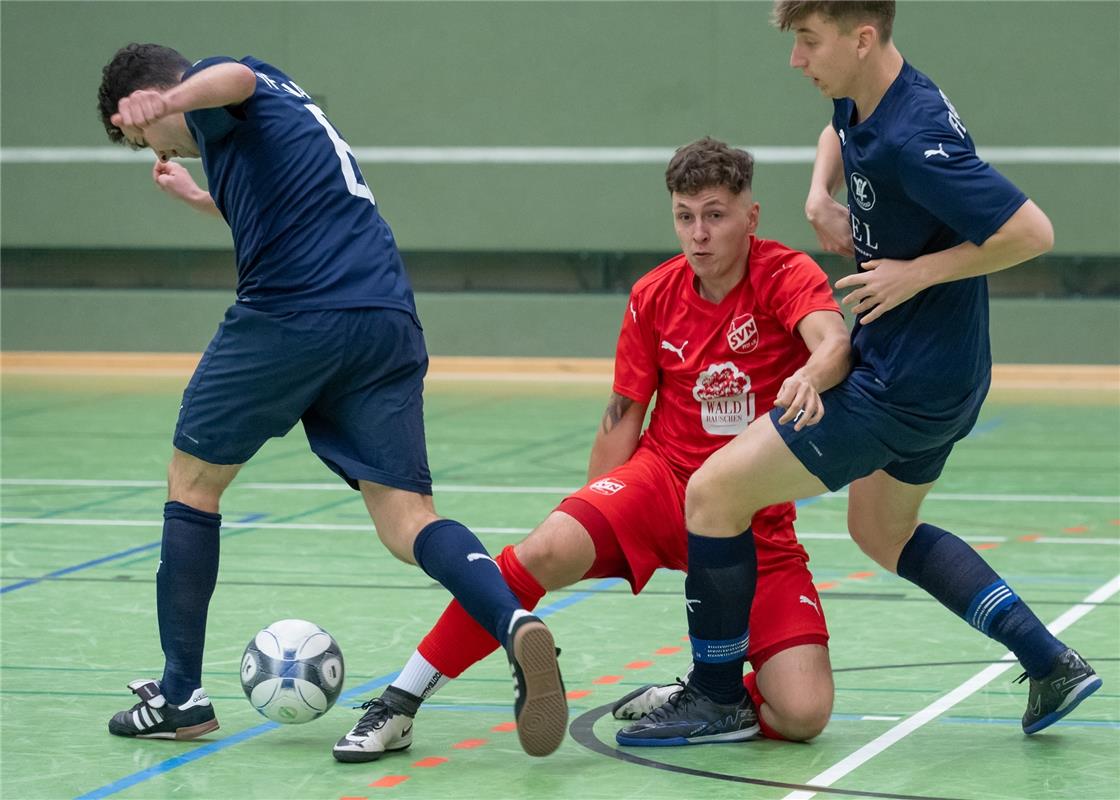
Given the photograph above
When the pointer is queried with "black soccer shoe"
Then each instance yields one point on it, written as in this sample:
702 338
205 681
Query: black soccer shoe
155 718
636 704
689 717
380 730
1050 699
540 705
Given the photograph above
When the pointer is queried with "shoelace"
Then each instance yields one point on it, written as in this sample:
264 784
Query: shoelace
1021 678
377 714
682 699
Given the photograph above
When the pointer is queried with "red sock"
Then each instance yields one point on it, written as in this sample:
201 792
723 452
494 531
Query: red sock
457 641
750 680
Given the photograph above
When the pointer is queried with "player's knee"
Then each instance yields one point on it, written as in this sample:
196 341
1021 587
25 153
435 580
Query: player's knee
802 716
556 554
879 541
199 488
709 510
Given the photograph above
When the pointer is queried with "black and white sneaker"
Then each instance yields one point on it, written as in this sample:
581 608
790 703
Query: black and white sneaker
1050 699
381 730
689 717
641 701
540 704
155 718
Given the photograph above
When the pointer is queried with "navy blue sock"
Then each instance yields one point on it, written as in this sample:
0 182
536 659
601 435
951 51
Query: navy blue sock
454 556
962 581
188 570
719 590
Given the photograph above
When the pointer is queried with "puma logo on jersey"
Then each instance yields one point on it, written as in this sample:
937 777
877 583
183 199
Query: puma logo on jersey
678 350
479 557
940 151
843 140
809 602
688 604
633 312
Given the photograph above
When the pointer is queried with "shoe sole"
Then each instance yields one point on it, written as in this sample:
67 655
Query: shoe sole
744 735
543 721
1072 701
361 757
179 734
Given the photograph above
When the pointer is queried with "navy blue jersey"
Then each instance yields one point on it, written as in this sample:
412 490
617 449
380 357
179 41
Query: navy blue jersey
916 186
306 230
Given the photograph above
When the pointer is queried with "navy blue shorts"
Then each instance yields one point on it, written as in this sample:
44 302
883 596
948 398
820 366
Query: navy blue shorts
862 431
353 376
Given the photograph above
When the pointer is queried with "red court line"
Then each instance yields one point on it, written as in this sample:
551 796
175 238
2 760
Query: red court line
985 546
430 761
576 694
826 585
666 651
639 664
1076 529
389 781
607 679
859 576
469 744
1030 537
505 726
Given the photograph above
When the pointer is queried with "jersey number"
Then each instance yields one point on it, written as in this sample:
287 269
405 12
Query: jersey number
344 153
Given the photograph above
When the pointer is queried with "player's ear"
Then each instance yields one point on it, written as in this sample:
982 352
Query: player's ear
867 37
752 220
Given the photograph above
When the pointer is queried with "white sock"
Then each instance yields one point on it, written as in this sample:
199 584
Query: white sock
420 678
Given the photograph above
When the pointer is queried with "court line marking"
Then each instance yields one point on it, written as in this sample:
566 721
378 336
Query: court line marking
763 154
453 488
214 747
944 703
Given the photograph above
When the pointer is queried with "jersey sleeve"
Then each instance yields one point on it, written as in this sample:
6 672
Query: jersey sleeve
941 172
635 358
211 124
797 289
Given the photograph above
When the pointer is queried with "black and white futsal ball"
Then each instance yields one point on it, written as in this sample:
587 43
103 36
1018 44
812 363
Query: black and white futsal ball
292 671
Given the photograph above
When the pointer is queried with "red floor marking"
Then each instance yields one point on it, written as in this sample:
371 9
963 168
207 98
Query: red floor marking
389 781
353 798
1116 522
1029 537
431 761
1075 529
826 585
859 576
576 694
684 638
666 651
639 664
985 546
505 726
469 744
607 679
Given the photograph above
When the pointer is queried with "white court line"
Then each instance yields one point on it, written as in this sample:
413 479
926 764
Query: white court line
342 526
943 704
763 154
452 488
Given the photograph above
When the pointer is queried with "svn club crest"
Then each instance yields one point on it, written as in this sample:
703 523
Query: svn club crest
742 333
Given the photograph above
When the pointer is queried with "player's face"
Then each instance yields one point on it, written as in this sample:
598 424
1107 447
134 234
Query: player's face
826 55
168 137
713 227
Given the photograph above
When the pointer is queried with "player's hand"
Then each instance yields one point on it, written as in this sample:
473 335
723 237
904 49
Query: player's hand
882 285
832 223
801 401
139 110
174 179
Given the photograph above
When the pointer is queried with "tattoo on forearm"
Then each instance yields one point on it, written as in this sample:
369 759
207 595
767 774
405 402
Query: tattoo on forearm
617 407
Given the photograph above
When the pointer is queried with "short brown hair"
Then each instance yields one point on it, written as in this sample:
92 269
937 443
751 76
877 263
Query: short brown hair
844 13
706 163
136 66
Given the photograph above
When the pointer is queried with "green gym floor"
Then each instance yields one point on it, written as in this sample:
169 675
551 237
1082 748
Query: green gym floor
925 708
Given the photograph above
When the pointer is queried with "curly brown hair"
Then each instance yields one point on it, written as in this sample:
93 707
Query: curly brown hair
844 13
136 66
706 163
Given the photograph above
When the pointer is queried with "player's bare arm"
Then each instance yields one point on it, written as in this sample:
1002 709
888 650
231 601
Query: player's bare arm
829 218
174 179
617 437
887 283
829 362
220 85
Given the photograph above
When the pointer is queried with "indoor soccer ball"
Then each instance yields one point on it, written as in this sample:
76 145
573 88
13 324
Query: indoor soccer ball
292 671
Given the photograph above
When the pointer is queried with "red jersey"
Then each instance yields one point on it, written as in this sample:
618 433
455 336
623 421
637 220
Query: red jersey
715 367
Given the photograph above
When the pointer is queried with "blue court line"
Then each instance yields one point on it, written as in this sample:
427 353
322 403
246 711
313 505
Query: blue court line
86 565
94 562
215 747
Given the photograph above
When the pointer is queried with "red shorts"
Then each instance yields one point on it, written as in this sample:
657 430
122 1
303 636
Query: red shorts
635 516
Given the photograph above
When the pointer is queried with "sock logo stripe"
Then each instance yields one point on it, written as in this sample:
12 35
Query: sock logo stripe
987 604
719 651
